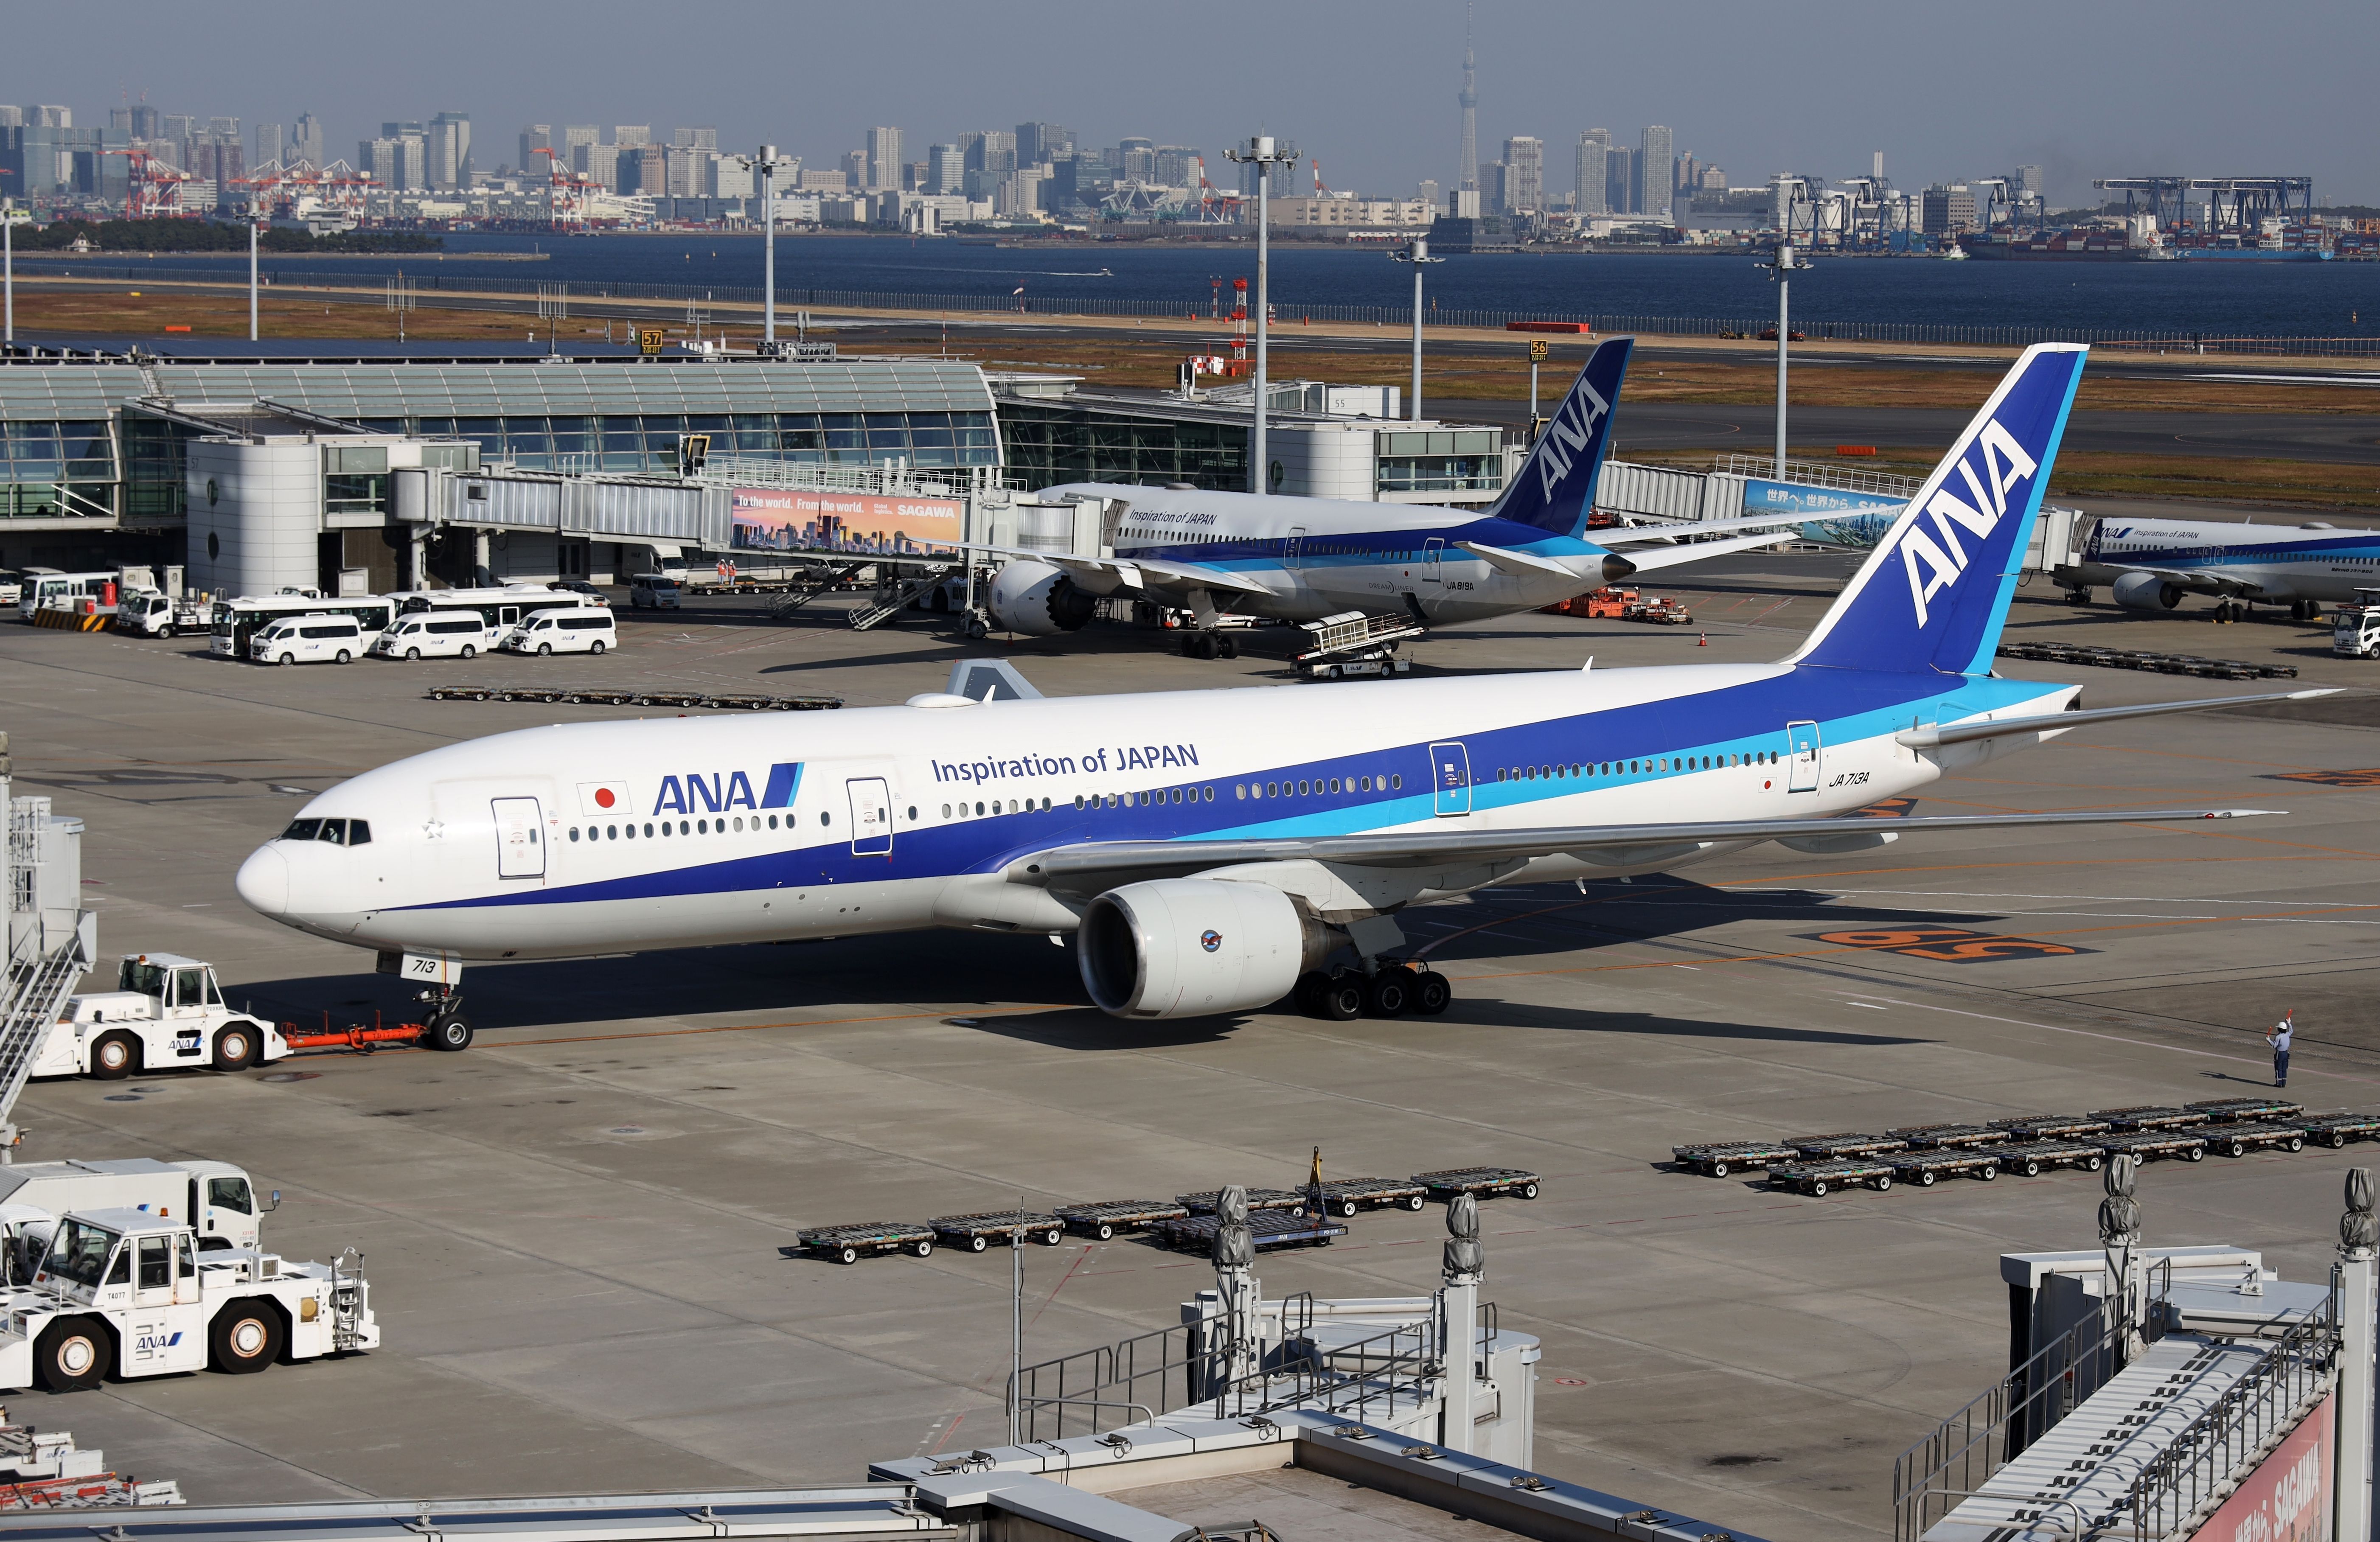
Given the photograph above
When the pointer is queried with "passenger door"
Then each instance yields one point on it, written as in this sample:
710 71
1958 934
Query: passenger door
1802 776
520 838
871 816
1432 552
1450 776
1291 550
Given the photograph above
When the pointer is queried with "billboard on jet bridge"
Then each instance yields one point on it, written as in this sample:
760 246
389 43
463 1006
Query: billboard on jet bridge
2287 1497
793 520
1836 516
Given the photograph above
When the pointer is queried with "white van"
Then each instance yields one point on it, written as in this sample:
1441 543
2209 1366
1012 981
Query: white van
434 634
652 591
586 629
308 639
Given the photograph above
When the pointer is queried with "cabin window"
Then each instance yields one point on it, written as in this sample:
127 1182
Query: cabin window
1398 781
574 832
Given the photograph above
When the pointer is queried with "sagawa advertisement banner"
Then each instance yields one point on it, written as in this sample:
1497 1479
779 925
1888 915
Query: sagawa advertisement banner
784 520
1841 517
2286 1499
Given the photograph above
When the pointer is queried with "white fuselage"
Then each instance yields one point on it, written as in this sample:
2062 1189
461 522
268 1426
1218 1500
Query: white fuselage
609 837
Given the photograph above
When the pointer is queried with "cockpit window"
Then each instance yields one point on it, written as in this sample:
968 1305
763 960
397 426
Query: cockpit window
337 833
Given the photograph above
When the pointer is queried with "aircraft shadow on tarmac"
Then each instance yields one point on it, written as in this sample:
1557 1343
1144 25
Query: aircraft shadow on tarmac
871 977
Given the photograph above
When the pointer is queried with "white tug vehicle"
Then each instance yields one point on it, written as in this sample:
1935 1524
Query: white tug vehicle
167 1011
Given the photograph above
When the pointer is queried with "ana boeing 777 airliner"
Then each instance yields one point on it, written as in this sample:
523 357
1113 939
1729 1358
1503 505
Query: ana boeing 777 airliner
1302 559
1213 851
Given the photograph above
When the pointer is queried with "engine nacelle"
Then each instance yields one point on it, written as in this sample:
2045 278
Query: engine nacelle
1038 601
2146 591
1194 947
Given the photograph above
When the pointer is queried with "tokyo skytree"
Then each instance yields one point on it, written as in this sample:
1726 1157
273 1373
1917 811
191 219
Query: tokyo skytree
1468 168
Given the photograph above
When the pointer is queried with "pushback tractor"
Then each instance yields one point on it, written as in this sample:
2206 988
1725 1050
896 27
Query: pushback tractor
121 1293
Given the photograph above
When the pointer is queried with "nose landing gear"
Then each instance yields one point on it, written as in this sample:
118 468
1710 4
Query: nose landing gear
448 1028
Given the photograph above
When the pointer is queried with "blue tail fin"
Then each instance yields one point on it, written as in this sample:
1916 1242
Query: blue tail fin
1936 591
1556 484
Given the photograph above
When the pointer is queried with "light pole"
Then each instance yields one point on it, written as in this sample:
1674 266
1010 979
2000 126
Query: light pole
9 265
765 165
1418 255
254 221
1781 268
1263 153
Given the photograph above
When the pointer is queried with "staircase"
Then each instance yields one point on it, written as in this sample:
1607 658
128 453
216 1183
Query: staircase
39 984
891 602
818 582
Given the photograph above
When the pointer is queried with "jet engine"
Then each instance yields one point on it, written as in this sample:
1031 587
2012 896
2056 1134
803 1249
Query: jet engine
1038 601
2146 591
1194 947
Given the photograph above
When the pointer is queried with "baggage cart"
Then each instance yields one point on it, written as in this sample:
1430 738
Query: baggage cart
1843 1143
1928 1167
978 1232
1928 1137
2149 1116
2149 1144
844 1244
1818 1179
1267 1228
2334 1129
1716 1158
1344 1196
1204 1202
1482 1182
2249 1108
2237 1139
1103 1219
2030 1159
2050 1126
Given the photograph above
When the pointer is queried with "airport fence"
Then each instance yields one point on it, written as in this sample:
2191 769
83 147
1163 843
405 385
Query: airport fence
1287 313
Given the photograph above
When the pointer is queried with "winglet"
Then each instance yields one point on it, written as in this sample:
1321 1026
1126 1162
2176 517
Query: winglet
991 680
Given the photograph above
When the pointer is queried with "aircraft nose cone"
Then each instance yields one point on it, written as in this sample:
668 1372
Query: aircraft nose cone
263 882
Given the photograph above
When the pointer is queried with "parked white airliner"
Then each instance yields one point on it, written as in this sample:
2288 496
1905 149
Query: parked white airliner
1302 559
1214 850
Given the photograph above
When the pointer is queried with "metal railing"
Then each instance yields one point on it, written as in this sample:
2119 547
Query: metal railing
1996 1425
1286 313
2197 1468
1164 1369
1819 473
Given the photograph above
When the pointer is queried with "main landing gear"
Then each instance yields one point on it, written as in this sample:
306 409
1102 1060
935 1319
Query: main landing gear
1209 645
1393 991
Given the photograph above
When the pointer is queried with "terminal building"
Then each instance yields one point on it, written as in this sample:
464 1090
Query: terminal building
364 475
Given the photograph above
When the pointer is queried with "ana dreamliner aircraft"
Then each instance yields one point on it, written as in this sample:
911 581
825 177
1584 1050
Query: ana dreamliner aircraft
1213 850
1302 559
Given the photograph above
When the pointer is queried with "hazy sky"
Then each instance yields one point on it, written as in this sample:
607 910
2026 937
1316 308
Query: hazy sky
2084 87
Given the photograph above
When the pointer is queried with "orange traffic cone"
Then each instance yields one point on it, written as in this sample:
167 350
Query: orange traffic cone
1705 641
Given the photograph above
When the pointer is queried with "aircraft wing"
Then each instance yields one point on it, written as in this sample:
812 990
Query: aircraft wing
1647 561
2196 581
1139 573
1930 737
1091 866
1612 537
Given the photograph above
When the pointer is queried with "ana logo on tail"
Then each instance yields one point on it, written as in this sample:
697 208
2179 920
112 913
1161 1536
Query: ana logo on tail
1567 434
2005 465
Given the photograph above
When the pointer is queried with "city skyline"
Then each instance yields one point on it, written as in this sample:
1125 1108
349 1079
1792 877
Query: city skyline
1544 71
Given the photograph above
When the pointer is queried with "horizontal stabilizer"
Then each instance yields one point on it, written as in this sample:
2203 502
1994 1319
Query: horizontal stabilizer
1931 737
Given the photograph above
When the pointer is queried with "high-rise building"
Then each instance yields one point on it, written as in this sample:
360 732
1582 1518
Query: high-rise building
626 134
1524 175
644 169
120 119
144 121
989 161
53 117
855 168
575 134
536 148
1620 181
1037 143
1949 210
1685 174
1468 159
1427 191
268 143
1174 164
1590 197
12 117
703 138
1487 178
883 169
175 130
448 146
2027 184
945 170
1654 174
1137 160
597 163
306 140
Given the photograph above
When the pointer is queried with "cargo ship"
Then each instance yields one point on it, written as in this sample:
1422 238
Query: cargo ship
2140 240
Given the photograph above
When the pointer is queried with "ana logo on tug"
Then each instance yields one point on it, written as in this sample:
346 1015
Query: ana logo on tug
1211 940
2005 464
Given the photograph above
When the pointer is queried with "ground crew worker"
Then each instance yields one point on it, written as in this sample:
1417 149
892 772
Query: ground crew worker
2277 1035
